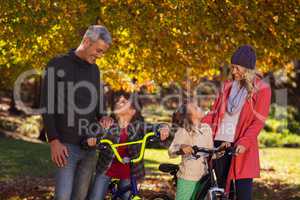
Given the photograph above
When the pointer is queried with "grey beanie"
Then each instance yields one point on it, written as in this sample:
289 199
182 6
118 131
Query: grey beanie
244 56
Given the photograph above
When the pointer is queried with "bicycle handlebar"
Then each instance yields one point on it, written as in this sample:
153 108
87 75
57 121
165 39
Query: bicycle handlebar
209 152
212 151
114 147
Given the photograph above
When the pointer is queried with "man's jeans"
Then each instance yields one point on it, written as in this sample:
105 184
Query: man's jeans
73 180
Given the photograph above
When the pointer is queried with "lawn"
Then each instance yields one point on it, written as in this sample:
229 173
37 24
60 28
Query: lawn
19 158
280 176
24 160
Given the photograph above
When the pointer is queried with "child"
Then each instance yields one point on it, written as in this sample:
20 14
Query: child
130 126
190 132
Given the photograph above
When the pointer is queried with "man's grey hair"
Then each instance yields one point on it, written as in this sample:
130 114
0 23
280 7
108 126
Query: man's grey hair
96 32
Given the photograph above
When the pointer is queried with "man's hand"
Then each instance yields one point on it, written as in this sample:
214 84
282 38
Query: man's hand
59 153
106 122
164 132
187 149
240 149
92 142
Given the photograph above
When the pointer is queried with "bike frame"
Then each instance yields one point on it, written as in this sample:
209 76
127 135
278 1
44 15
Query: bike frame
131 162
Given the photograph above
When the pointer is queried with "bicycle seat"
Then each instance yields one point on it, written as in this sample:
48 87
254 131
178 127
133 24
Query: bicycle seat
168 168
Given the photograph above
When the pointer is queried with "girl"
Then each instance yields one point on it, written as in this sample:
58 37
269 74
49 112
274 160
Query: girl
130 126
190 132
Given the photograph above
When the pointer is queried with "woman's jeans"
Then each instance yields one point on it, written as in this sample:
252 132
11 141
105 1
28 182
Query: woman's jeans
73 180
100 187
242 187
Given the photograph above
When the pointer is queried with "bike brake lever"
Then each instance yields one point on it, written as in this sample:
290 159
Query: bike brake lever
195 156
101 147
195 148
231 151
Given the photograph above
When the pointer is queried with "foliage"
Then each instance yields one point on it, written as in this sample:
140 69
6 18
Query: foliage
160 40
31 126
153 40
272 139
156 114
283 119
9 123
32 32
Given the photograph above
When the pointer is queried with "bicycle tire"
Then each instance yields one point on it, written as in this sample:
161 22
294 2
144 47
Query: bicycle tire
214 196
160 197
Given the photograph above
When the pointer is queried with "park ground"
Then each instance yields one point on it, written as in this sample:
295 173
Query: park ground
26 170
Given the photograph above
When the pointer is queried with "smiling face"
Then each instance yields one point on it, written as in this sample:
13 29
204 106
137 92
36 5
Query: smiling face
194 111
237 72
123 107
94 50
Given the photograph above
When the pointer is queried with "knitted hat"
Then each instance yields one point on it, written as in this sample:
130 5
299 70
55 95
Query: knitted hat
244 56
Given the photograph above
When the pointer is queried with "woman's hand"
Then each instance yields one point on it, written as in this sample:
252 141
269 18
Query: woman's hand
225 145
187 149
240 149
92 141
164 132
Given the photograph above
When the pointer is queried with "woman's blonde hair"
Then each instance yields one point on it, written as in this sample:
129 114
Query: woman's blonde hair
248 80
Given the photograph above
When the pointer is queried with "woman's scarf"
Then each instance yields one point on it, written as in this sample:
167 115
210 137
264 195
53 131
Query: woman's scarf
236 98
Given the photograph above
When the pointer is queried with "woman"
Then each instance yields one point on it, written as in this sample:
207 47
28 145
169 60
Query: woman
236 118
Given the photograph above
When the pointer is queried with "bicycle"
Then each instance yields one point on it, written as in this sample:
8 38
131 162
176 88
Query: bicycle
113 189
210 189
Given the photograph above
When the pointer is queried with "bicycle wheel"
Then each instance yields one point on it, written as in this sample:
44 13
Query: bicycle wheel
130 198
160 197
214 196
217 196
135 197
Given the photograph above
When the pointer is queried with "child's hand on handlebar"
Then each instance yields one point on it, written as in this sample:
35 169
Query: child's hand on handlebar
164 132
92 141
187 149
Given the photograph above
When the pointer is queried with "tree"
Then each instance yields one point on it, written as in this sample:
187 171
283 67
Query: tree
32 32
153 41
159 40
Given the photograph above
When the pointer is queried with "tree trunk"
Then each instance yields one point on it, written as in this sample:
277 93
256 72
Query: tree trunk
42 135
13 107
37 92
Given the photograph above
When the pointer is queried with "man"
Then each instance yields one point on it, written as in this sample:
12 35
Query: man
72 96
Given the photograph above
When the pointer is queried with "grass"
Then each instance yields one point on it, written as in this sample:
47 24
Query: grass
283 163
280 166
279 163
20 158
280 175
153 157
